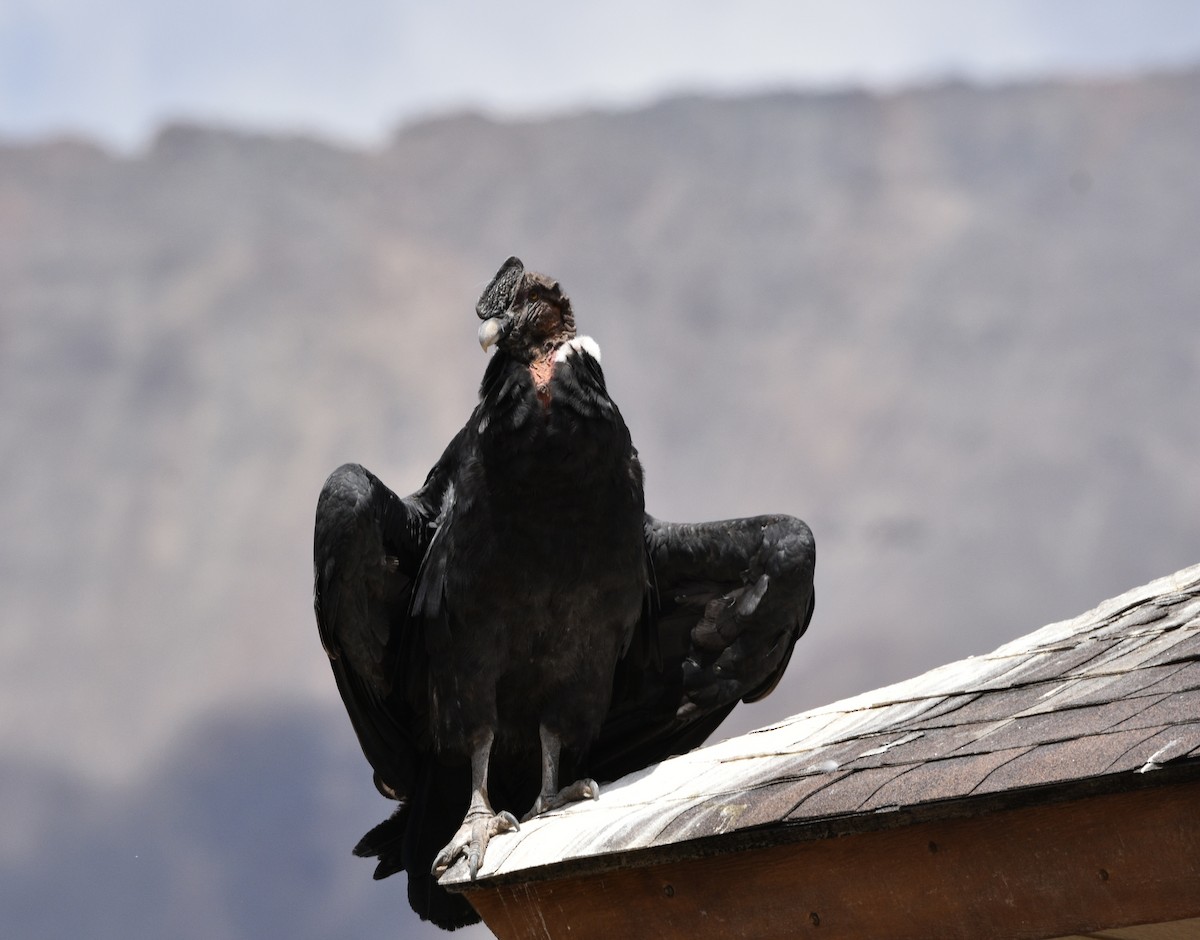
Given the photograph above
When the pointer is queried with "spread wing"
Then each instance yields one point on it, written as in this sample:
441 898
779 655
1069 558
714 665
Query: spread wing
728 602
369 552
367 555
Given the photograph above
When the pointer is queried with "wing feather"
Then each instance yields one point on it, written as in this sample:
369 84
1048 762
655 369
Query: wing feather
368 550
728 601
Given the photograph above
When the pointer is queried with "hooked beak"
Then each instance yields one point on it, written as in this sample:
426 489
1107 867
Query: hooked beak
490 330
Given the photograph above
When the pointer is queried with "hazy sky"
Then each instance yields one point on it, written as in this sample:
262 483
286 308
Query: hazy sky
355 68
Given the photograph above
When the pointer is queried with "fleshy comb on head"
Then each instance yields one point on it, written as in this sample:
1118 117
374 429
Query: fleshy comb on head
497 297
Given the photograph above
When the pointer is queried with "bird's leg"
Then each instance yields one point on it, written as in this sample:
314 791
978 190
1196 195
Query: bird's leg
481 822
551 796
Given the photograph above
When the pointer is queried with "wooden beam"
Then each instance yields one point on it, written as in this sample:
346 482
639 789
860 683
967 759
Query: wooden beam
1035 872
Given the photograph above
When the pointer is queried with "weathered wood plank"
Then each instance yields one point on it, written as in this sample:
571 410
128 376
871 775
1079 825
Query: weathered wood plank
1035 872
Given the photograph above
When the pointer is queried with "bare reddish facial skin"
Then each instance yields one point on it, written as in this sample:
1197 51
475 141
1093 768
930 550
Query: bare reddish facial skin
542 370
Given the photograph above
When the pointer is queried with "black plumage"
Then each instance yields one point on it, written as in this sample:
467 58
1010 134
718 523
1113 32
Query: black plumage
519 626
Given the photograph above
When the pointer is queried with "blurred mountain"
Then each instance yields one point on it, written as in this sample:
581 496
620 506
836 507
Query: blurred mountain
953 328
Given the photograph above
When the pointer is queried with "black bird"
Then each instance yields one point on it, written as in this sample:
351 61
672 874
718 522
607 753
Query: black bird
519 626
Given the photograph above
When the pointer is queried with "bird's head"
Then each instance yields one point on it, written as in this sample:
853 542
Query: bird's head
525 314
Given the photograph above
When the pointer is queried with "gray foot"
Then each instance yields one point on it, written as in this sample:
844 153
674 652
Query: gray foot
471 840
580 790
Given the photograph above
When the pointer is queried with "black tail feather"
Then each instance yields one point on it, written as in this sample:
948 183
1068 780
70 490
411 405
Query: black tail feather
386 843
411 837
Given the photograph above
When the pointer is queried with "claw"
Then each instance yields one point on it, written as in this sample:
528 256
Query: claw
585 789
471 841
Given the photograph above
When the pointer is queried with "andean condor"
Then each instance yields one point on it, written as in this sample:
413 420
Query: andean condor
519 627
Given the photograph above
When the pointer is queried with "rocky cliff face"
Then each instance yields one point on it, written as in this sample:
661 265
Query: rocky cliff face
954 329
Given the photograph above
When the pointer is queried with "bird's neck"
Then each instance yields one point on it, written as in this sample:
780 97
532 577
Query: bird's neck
541 370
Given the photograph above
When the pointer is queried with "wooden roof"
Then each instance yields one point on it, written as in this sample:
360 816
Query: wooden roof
1104 703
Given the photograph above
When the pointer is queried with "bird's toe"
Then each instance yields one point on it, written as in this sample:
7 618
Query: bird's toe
585 789
471 840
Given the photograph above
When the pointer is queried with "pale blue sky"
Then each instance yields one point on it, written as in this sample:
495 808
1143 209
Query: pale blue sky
353 69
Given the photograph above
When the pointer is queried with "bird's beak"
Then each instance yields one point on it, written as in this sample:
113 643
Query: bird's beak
490 330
